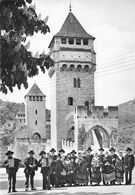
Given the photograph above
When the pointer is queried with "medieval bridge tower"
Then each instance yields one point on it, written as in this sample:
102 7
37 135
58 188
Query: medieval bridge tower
72 50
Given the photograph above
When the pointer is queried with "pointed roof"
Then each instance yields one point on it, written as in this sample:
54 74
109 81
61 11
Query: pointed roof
35 90
73 28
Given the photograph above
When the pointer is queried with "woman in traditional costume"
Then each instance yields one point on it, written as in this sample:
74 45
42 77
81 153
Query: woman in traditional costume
81 170
95 170
108 169
119 173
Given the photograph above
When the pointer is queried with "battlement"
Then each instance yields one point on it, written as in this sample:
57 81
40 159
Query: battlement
97 112
68 146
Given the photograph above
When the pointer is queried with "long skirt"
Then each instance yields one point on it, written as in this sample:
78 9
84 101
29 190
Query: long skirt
81 178
95 175
108 174
119 176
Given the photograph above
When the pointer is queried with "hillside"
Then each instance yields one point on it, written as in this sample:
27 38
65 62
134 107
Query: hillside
127 124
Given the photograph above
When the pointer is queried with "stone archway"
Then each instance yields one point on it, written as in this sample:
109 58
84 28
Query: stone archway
100 134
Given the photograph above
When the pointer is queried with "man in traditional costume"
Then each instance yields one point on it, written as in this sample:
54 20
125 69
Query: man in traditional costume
53 157
31 165
89 157
128 165
44 163
12 166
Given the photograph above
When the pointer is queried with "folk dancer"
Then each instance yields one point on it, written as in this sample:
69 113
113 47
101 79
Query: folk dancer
44 163
71 173
95 170
12 166
119 168
89 157
101 156
128 165
63 173
81 169
113 157
57 170
31 165
53 159
108 169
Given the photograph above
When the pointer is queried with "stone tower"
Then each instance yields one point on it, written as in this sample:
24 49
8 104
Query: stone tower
72 76
35 113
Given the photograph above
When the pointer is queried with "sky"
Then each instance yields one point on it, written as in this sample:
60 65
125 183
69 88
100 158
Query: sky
111 22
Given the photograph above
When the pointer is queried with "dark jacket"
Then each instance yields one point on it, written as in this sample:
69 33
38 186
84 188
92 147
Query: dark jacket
31 165
129 162
13 169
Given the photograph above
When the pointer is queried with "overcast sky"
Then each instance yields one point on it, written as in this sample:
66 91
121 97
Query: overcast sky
112 22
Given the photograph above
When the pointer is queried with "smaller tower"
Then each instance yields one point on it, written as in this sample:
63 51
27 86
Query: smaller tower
35 113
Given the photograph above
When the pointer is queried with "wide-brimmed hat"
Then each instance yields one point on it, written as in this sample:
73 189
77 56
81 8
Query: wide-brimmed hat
101 149
129 149
73 152
42 152
112 149
31 152
61 151
9 152
52 150
89 149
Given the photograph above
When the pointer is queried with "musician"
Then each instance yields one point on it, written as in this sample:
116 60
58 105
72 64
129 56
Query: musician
128 165
12 166
31 165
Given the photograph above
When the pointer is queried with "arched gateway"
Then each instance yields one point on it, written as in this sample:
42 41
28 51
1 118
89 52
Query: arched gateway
97 136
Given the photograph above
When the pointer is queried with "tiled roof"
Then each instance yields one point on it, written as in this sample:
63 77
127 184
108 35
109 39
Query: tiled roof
72 28
35 90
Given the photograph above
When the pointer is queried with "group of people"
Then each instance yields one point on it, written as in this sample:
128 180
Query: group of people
75 168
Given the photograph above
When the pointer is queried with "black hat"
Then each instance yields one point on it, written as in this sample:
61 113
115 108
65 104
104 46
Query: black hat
89 149
42 152
31 152
112 149
61 150
128 149
101 149
73 151
52 150
9 152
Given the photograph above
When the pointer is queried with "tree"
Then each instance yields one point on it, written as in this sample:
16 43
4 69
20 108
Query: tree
19 20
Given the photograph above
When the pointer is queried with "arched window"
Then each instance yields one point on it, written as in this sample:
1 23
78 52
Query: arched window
86 68
79 67
74 82
71 67
70 101
78 83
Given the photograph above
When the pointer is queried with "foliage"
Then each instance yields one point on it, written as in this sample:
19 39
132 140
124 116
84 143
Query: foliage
19 20
7 139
